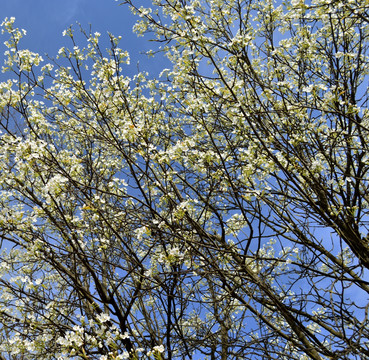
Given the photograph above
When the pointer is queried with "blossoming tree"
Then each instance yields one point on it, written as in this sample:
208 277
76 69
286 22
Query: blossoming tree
219 211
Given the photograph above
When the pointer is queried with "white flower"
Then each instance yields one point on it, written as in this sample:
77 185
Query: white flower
159 348
156 349
124 355
103 317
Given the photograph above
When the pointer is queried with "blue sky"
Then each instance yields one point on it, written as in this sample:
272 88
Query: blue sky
45 20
